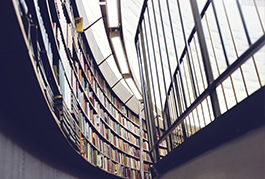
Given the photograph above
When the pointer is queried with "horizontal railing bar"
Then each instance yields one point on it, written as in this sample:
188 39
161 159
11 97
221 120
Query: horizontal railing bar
244 57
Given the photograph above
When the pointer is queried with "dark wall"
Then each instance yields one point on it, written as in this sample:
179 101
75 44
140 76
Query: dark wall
23 158
232 146
242 158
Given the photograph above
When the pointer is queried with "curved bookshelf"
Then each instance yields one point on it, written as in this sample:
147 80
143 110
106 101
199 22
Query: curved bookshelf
97 126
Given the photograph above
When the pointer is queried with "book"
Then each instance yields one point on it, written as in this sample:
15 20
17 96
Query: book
111 143
97 121
99 160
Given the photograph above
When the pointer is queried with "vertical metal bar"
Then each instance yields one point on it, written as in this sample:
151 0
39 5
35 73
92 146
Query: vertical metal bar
157 75
168 62
205 55
198 85
149 98
194 121
211 40
188 125
166 121
151 75
182 99
141 140
220 33
160 53
178 62
227 19
255 3
186 78
215 57
195 75
169 145
243 22
144 96
198 117
197 54
187 49
186 45
248 37
175 50
178 94
203 116
224 51
256 68
173 107
209 110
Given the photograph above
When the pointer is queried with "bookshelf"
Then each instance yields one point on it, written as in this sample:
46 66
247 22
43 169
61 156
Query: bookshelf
95 122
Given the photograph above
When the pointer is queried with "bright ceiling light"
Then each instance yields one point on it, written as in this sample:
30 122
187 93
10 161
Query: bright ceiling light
116 42
112 13
133 88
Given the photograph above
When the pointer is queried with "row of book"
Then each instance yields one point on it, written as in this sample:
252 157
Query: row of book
163 144
99 96
101 90
99 125
44 32
106 148
123 146
116 127
38 44
146 156
82 98
67 33
106 133
67 7
162 152
64 71
117 103
146 145
103 146
65 27
61 66
98 106
100 160
108 151
69 126
80 40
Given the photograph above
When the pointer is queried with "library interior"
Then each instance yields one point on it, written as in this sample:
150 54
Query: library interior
135 89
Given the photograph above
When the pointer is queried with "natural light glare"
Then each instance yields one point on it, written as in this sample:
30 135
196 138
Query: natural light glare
133 88
112 13
116 42
114 67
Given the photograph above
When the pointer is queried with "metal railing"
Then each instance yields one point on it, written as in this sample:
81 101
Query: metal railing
220 64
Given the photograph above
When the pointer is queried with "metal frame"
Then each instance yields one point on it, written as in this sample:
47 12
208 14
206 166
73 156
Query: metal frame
180 106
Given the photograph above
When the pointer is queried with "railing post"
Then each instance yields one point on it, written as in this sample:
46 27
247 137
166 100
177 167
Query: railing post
141 140
147 97
205 57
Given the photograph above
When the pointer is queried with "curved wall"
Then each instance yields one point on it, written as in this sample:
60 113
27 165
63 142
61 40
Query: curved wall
23 157
32 144
239 159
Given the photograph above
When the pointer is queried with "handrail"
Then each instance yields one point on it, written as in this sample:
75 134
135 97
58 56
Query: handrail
177 117
246 55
